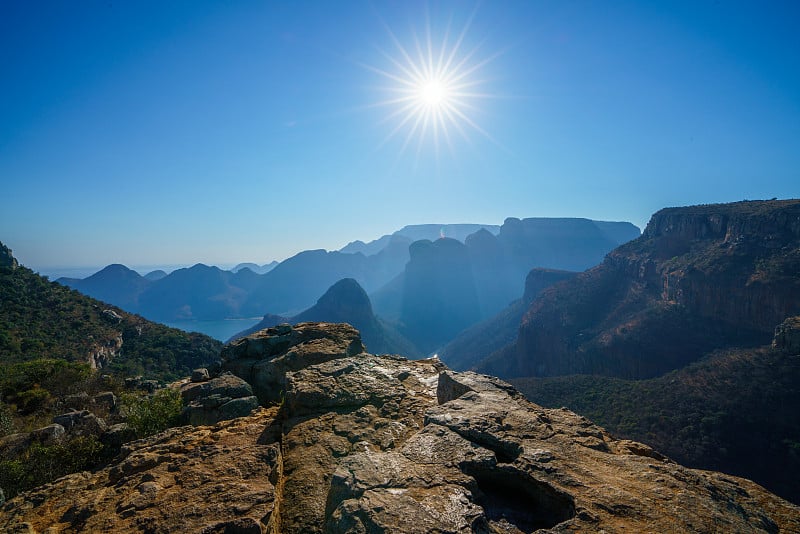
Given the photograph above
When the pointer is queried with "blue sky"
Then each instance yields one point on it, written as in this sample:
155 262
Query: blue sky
218 132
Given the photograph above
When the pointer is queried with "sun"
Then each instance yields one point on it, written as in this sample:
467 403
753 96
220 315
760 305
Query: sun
434 87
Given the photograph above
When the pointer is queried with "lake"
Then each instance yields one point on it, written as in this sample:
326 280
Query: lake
221 330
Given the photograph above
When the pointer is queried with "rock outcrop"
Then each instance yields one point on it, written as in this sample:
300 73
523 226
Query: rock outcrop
365 443
699 278
7 259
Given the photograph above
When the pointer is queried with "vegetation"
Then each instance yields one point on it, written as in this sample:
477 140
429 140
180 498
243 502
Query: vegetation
150 415
50 336
40 464
45 320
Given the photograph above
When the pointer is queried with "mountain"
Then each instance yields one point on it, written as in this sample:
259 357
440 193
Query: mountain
477 342
699 278
199 292
362 443
209 293
158 274
41 319
492 269
115 284
417 232
258 269
735 410
439 293
346 302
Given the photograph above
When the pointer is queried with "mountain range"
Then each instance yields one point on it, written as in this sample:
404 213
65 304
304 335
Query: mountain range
493 267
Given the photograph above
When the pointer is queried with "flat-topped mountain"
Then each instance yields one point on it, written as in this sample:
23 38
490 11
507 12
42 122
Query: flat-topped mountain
364 443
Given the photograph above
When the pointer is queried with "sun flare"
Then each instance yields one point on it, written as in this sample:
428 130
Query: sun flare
433 88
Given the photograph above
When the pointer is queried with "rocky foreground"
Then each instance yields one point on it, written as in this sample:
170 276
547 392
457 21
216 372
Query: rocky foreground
354 442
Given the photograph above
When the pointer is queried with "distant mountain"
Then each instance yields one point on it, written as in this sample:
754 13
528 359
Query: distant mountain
115 284
498 265
439 293
347 302
258 269
733 411
479 341
700 278
416 232
199 292
158 274
41 319
209 293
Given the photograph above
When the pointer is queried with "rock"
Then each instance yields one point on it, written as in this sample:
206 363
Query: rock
81 423
106 400
200 375
369 443
264 358
50 434
117 435
7 260
787 335
77 401
221 398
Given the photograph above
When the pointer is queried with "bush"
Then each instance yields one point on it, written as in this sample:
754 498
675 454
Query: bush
150 415
41 464
6 420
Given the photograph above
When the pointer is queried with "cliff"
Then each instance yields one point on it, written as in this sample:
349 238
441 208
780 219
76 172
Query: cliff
363 443
699 278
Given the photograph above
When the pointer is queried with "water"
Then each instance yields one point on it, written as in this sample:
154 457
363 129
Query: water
221 330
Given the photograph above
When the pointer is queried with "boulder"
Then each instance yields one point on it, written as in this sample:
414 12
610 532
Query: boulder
50 434
200 375
264 358
81 423
219 399
106 400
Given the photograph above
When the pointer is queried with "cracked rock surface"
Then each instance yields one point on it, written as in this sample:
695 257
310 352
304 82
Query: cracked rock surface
365 443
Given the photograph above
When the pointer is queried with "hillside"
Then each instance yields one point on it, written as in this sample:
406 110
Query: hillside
734 411
699 278
361 443
42 319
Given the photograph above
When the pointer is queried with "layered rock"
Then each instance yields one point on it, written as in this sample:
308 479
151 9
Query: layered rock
699 278
365 443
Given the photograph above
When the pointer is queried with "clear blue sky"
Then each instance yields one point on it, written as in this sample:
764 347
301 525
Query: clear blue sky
217 132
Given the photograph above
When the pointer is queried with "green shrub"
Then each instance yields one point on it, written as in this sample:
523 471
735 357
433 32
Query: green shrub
6 420
150 415
41 464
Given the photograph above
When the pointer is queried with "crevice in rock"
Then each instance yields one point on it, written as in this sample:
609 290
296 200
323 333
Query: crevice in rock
511 497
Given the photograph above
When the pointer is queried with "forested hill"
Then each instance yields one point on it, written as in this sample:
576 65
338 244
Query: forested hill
42 319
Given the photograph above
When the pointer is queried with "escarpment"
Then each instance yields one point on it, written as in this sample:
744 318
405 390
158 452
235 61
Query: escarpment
699 278
365 443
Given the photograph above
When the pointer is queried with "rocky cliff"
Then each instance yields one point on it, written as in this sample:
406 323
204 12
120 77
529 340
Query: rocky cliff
698 279
362 443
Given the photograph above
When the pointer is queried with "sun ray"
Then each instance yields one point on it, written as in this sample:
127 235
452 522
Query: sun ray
433 86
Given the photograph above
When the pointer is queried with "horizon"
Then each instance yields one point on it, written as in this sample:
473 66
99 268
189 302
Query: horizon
153 135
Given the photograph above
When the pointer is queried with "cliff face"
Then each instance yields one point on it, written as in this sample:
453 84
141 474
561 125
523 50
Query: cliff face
363 443
699 278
